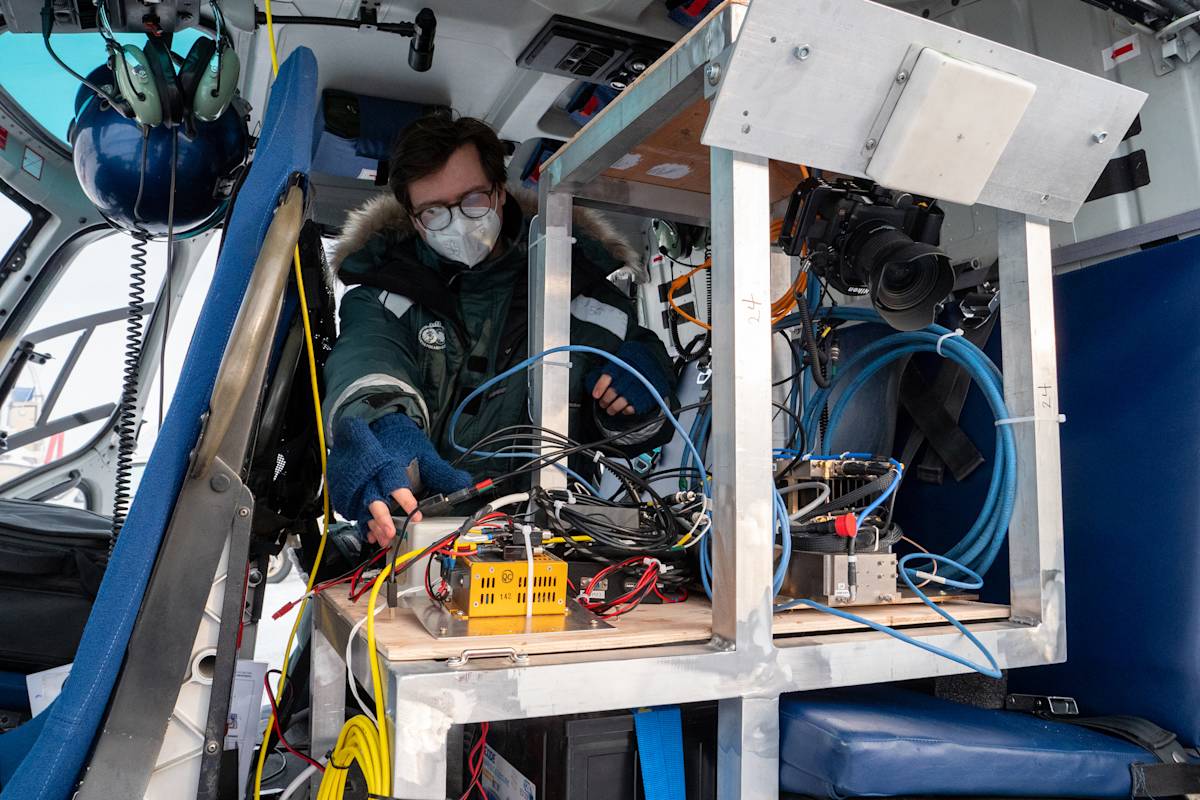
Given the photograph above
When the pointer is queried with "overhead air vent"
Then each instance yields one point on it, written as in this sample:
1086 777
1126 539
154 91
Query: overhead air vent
589 52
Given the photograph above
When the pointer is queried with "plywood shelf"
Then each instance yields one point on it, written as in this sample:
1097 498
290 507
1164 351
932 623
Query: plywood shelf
401 637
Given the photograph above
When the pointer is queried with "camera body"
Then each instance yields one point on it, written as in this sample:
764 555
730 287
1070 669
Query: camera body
865 240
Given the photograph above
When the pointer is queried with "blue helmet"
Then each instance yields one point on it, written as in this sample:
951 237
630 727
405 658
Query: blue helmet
114 160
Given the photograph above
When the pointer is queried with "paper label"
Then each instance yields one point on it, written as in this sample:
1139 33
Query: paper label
44 686
1128 48
502 781
626 161
671 172
242 731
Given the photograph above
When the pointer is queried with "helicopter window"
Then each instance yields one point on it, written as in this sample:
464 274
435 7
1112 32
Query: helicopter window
68 387
14 221
43 89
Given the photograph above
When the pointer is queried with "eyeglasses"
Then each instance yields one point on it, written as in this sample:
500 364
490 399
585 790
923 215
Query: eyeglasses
473 205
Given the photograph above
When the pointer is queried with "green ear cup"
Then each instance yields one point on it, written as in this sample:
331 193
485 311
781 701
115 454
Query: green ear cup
132 71
217 85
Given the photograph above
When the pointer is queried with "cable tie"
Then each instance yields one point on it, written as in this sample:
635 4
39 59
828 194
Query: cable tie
546 237
926 576
945 336
1060 419
596 458
551 363
558 507
570 497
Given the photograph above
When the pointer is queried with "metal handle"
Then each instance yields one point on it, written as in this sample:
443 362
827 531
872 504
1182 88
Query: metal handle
463 658
254 325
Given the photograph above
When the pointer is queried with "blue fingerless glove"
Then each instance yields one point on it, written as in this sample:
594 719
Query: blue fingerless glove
369 462
638 356
400 435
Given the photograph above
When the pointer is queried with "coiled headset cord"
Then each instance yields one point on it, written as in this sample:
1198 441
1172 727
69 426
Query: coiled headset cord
135 334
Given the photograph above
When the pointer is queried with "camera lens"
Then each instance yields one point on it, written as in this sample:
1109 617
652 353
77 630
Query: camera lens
906 279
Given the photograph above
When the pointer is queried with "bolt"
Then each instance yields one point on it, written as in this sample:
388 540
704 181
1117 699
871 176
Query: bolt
870 145
901 76
219 483
243 512
255 577
618 85
442 630
745 129
210 748
638 66
713 73
1099 136
802 52
595 623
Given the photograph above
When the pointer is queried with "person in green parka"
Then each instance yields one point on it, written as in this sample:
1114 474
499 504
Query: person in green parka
438 304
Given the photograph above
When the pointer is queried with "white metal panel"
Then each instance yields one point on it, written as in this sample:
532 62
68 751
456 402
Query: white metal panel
806 83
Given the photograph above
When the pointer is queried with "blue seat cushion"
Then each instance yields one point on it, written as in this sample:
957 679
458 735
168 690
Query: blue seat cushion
880 741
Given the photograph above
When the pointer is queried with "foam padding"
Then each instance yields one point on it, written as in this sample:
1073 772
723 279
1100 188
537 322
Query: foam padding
880 741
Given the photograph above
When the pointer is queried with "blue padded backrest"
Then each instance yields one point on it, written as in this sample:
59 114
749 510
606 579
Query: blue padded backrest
1129 375
51 765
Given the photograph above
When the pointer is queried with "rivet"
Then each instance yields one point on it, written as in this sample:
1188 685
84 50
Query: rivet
871 143
1099 136
901 76
219 483
745 129
802 52
243 512
210 748
1045 198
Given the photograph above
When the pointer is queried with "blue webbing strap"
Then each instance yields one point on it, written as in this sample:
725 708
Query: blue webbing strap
660 749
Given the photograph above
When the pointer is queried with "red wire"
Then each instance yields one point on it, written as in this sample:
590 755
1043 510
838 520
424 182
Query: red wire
475 763
275 719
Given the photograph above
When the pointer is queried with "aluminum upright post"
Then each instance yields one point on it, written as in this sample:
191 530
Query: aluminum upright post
550 324
1035 538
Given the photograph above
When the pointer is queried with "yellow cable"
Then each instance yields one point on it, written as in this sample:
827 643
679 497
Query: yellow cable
326 516
361 740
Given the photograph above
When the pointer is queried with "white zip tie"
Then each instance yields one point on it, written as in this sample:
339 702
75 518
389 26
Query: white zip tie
1060 419
927 576
546 237
945 336
596 458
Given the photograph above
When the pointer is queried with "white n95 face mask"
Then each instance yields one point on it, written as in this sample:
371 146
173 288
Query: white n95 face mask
465 240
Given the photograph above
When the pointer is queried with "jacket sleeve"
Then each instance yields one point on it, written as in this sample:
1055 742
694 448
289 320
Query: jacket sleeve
374 369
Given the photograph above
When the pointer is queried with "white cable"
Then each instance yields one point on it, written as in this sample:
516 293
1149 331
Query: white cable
822 496
365 708
297 782
508 500
526 531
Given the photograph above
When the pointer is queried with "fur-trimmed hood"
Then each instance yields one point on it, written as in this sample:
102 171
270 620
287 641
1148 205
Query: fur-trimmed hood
384 213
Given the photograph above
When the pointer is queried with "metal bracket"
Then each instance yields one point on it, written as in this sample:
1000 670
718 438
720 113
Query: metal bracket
463 658
1042 704
893 97
1179 39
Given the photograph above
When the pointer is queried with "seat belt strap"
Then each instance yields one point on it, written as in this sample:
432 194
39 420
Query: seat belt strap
660 750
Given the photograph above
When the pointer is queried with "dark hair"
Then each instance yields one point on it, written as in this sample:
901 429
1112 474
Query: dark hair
426 145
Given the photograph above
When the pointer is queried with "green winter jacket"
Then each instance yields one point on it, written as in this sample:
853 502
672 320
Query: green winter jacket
419 333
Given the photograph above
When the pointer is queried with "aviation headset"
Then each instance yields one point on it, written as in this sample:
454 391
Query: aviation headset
156 94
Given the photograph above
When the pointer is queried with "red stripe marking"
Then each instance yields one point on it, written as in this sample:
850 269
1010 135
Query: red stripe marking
1122 50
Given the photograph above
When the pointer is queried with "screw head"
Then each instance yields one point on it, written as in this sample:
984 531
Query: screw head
745 129
255 577
210 748
871 143
901 76
802 52
713 73
442 630
1099 136
1045 198
638 66
219 483
595 623
243 512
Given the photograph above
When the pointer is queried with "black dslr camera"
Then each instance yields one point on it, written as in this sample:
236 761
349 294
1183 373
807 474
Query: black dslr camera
863 239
